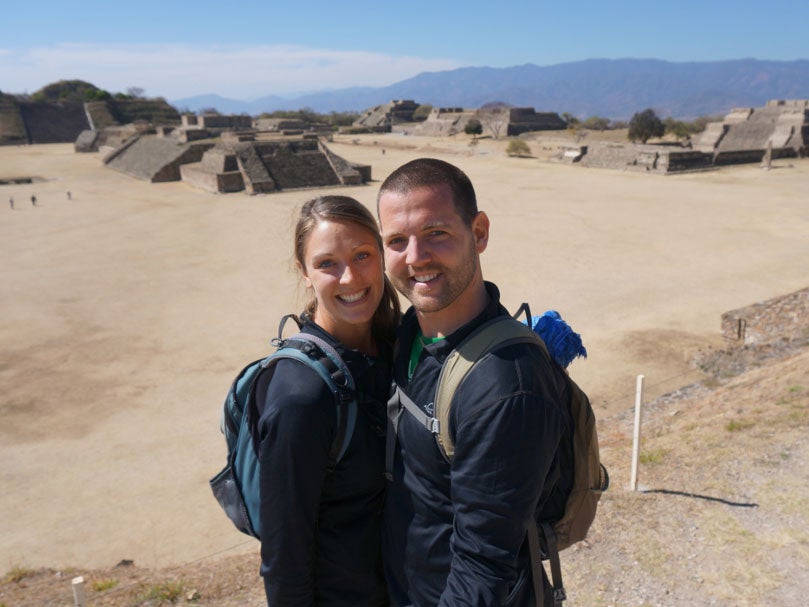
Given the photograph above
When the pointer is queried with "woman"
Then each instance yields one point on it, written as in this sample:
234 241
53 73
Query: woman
320 540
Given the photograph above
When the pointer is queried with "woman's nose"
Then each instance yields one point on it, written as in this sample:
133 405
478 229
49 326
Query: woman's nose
347 275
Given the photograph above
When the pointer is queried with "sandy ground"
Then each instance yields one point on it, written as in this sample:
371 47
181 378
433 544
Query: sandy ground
126 311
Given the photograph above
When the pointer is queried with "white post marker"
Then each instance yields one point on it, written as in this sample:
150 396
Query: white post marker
79 598
633 482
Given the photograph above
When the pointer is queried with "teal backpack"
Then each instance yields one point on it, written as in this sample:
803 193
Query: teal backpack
236 486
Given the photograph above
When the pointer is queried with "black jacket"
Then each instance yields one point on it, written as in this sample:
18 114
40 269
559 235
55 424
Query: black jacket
320 523
458 531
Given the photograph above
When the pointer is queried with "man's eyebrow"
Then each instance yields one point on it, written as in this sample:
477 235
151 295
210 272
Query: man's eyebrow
434 224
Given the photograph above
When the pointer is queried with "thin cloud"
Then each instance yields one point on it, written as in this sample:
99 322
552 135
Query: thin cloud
176 71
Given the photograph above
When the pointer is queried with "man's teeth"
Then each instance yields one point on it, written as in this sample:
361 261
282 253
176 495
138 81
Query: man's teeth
352 297
424 277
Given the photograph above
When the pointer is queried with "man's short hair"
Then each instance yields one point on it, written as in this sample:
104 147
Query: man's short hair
430 172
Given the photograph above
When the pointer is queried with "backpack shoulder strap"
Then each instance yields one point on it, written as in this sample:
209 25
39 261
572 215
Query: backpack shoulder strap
323 358
494 334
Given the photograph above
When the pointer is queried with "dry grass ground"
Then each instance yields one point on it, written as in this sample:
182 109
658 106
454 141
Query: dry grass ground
125 311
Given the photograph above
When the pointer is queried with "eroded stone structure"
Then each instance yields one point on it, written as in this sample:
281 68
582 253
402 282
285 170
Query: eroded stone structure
380 118
527 119
154 159
444 121
263 166
785 317
633 157
746 134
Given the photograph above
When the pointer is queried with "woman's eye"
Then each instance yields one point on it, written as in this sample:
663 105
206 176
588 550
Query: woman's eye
325 263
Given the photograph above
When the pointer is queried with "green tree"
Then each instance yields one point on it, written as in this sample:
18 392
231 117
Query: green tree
74 91
645 125
517 147
596 123
473 127
678 128
571 120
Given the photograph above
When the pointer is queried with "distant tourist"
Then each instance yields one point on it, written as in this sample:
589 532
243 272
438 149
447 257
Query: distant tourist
33 200
69 197
11 202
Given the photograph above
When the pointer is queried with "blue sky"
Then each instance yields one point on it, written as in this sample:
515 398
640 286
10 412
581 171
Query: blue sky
178 49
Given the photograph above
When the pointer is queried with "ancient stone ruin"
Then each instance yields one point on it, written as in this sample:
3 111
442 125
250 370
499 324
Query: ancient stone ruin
380 118
28 122
779 130
785 317
264 166
746 134
153 158
526 119
225 154
660 159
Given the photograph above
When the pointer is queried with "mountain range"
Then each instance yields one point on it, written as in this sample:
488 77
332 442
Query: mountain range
611 88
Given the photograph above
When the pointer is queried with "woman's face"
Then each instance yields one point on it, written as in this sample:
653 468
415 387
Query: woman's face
344 267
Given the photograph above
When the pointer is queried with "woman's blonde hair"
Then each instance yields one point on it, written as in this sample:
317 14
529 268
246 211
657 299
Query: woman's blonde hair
347 210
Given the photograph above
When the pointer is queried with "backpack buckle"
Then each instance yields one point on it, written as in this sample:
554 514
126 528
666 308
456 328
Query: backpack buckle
433 425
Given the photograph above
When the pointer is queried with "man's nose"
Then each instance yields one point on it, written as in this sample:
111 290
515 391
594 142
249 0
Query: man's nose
416 252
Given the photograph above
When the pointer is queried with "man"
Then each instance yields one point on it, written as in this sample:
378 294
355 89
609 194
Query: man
458 530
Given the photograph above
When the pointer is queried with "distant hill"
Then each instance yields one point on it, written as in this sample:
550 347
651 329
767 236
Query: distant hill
612 88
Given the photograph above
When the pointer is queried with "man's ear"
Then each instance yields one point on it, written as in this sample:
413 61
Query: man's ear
480 230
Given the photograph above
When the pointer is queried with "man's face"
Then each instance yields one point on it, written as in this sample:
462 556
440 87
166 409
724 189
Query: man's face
431 256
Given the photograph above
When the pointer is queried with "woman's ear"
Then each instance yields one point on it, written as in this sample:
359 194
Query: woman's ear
302 270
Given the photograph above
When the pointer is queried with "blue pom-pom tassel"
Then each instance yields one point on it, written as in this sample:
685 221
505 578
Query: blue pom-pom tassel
563 343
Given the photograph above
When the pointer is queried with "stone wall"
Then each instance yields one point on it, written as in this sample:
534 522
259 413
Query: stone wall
526 120
212 182
387 114
650 158
155 111
444 122
268 166
12 127
279 124
292 170
745 134
53 123
785 317
257 178
154 159
100 115
87 141
216 121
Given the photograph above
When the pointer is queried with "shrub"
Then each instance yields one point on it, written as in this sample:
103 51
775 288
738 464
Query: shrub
517 147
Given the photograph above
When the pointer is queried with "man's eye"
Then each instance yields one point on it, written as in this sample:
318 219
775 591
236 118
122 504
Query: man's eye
363 255
396 241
